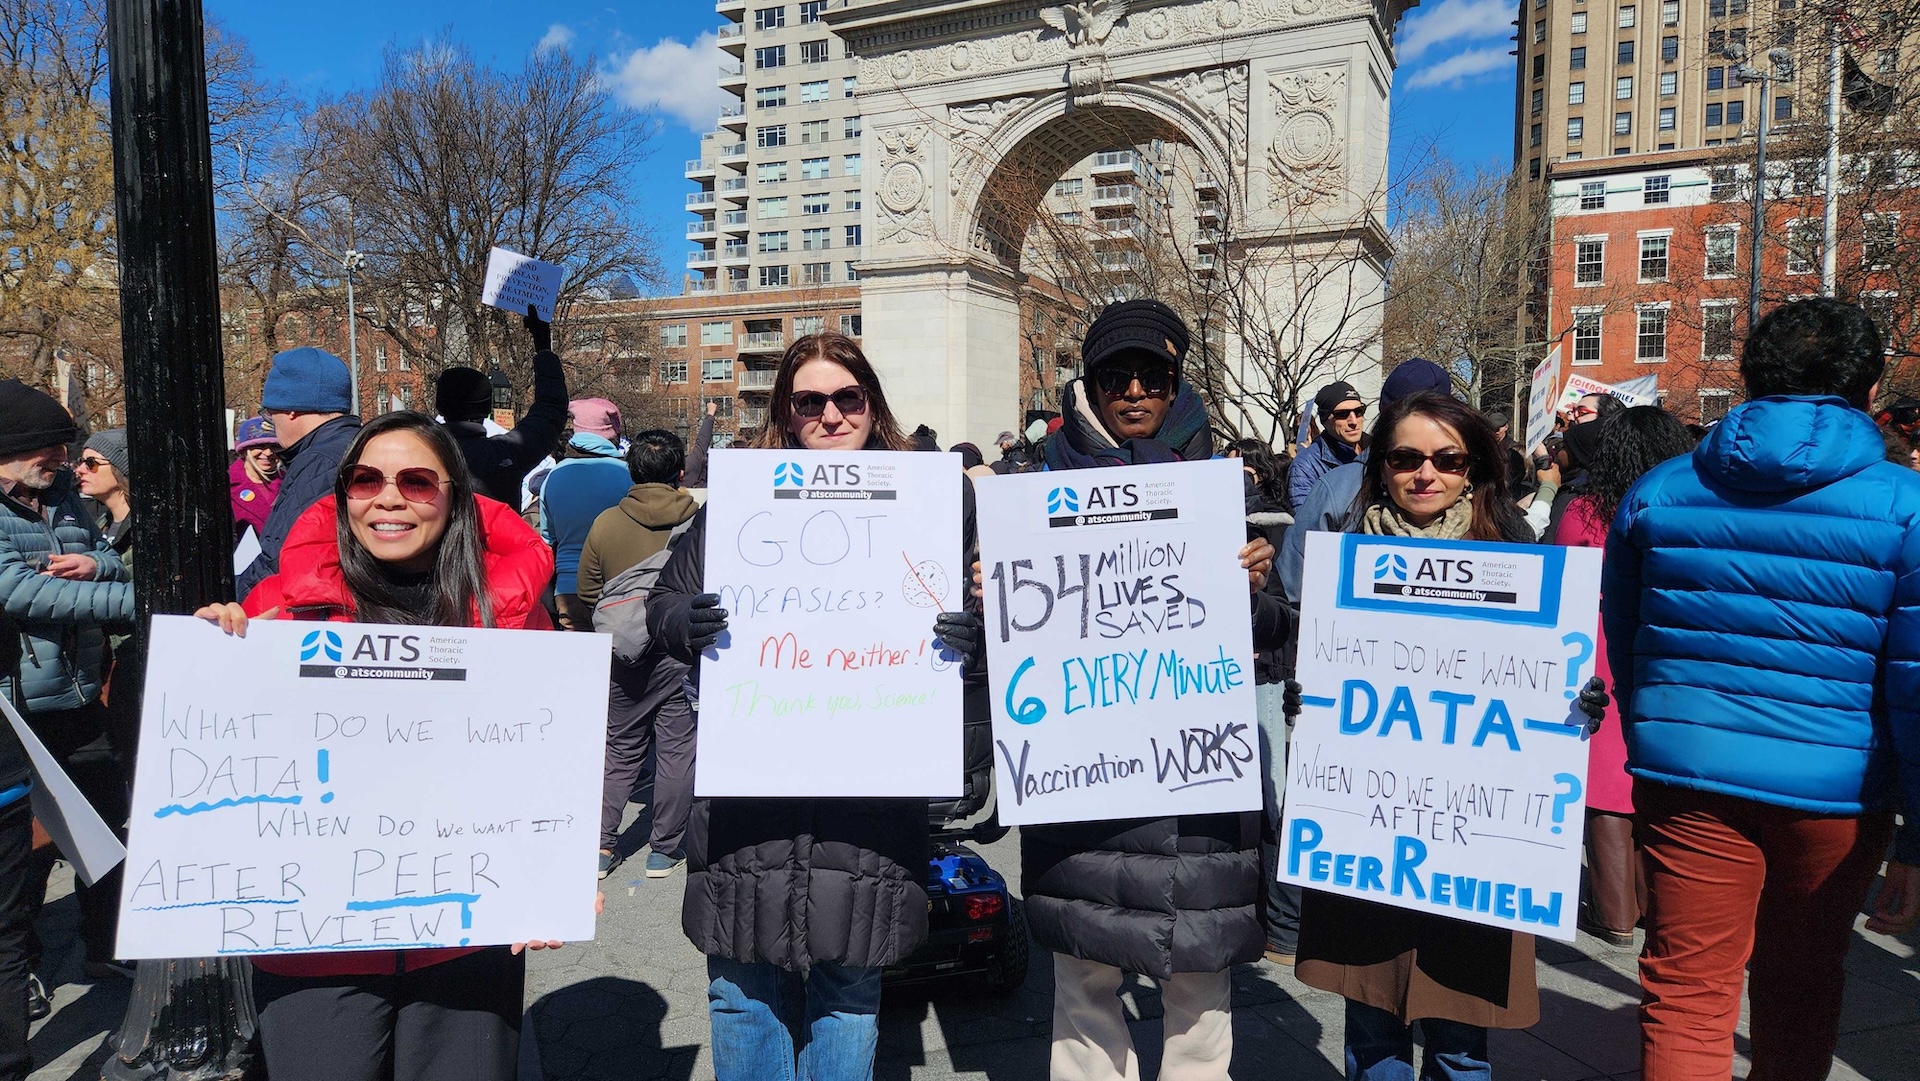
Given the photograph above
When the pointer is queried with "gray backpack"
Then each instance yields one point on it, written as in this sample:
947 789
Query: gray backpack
622 609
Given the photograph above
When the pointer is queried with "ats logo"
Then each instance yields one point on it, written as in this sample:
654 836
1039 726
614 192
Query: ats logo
1107 504
1501 583
1390 565
830 480
373 656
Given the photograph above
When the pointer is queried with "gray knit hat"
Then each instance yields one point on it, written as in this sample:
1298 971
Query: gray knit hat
112 445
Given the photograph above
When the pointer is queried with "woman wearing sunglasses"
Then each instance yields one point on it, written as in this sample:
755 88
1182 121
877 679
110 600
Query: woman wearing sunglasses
800 900
1436 471
403 540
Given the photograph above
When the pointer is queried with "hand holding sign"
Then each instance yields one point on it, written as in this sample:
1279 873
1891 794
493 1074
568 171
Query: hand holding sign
517 282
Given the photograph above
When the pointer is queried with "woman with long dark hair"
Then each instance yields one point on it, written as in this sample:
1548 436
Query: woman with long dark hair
1632 441
1437 471
799 901
403 540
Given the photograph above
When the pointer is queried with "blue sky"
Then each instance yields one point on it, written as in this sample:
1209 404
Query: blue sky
1454 89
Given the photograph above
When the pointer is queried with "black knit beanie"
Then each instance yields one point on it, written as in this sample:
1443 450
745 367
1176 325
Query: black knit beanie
31 420
463 394
1135 326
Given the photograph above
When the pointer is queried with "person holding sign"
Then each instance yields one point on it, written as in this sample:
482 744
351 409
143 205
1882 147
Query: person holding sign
1437 471
1175 898
782 891
403 540
464 398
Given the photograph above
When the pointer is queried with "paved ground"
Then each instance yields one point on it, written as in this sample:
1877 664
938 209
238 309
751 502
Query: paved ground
630 1006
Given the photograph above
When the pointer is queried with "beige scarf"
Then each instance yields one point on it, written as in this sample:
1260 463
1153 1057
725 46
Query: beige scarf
1385 518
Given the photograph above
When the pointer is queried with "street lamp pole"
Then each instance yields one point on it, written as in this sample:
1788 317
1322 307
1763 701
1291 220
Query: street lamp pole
1748 74
1830 226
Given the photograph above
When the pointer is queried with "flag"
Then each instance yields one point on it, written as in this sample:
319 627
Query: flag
1863 94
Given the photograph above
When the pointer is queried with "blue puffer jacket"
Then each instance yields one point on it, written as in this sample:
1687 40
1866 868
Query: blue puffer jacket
1762 612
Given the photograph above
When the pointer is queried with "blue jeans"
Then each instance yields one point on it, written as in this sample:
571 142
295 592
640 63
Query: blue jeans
750 1004
1380 1048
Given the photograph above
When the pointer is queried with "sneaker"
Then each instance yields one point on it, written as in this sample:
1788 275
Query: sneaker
661 865
608 861
106 970
38 1004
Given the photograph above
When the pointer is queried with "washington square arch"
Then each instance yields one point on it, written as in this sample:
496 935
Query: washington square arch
973 107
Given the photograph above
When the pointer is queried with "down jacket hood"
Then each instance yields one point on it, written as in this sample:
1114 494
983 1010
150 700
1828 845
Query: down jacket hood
1789 444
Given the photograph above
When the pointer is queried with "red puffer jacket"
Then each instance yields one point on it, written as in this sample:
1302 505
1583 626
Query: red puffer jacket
310 585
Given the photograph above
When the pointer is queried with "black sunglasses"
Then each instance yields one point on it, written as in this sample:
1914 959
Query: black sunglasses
1342 414
1155 382
1407 460
850 401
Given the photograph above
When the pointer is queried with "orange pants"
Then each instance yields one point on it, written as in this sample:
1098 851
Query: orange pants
1730 880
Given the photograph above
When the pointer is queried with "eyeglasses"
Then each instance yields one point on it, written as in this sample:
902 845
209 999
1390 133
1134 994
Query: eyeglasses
91 464
850 401
414 485
1343 414
1154 382
1583 411
1408 460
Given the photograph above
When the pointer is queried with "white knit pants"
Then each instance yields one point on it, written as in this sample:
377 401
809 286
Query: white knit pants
1090 1037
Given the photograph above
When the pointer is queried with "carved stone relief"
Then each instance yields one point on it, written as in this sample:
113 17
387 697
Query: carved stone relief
902 187
1219 95
1306 164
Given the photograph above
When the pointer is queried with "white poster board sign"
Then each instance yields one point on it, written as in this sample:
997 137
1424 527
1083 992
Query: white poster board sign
1439 763
342 786
1579 386
1119 649
76 828
515 281
831 567
1540 405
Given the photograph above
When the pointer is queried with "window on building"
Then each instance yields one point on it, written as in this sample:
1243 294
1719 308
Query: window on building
816 273
1803 247
1656 189
852 163
1537 103
1716 330
1650 344
770 56
1736 113
804 325
772 207
1533 136
1653 258
814 90
1624 52
1068 217
1716 78
813 52
722 405
379 358
770 97
775 276
716 332
853 271
1669 119
1714 404
853 201
1783 107
1713 114
1578 23
852 128
1623 123
769 18
1577 58
1716 43
1669 49
1670 12
1576 93
815 168
816 131
1576 127
773 242
1533 168
1589 261
851 236
1539 65
1623 88
816 204
1539 31
1886 62
1720 183
771 172
1073 186
1880 238
406 361
816 239
716 370
1723 251
1593 195
849 86
1669 83
770 135
811 11
673 337
1717 9
1626 17
850 325
1586 335
673 371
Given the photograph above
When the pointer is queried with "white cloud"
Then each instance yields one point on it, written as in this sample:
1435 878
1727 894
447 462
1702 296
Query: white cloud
1453 20
1465 67
678 79
558 36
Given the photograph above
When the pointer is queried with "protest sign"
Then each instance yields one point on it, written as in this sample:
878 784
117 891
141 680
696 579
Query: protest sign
78 831
829 682
1579 386
1643 389
515 281
339 786
1120 651
1440 763
1540 401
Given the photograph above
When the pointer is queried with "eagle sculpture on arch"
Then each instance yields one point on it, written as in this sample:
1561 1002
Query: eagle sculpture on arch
1088 22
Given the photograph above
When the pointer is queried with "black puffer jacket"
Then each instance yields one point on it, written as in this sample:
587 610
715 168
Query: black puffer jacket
794 882
500 463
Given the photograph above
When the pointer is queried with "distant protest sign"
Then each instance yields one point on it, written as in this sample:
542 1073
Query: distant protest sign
1540 407
1579 386
319 787
1120 650
515 281
1440 762
829 681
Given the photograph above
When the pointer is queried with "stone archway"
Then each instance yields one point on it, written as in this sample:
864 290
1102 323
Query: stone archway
966 104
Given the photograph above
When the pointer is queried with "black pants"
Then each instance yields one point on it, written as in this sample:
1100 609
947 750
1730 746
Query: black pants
454 1021
647 709
16 922
79 741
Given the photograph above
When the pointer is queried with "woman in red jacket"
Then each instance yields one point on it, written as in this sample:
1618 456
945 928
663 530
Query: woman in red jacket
404 540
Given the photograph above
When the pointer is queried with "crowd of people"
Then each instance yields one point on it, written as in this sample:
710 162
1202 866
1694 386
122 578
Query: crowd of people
1753 720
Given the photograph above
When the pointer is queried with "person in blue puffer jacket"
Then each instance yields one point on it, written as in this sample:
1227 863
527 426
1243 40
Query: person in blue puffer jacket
1761 600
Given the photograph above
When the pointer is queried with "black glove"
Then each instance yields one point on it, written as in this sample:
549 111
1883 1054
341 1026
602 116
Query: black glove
706 622
541 330
966 635
1290 704
1593 702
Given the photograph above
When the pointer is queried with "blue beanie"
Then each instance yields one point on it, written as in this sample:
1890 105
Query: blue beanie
1412 377
308 380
